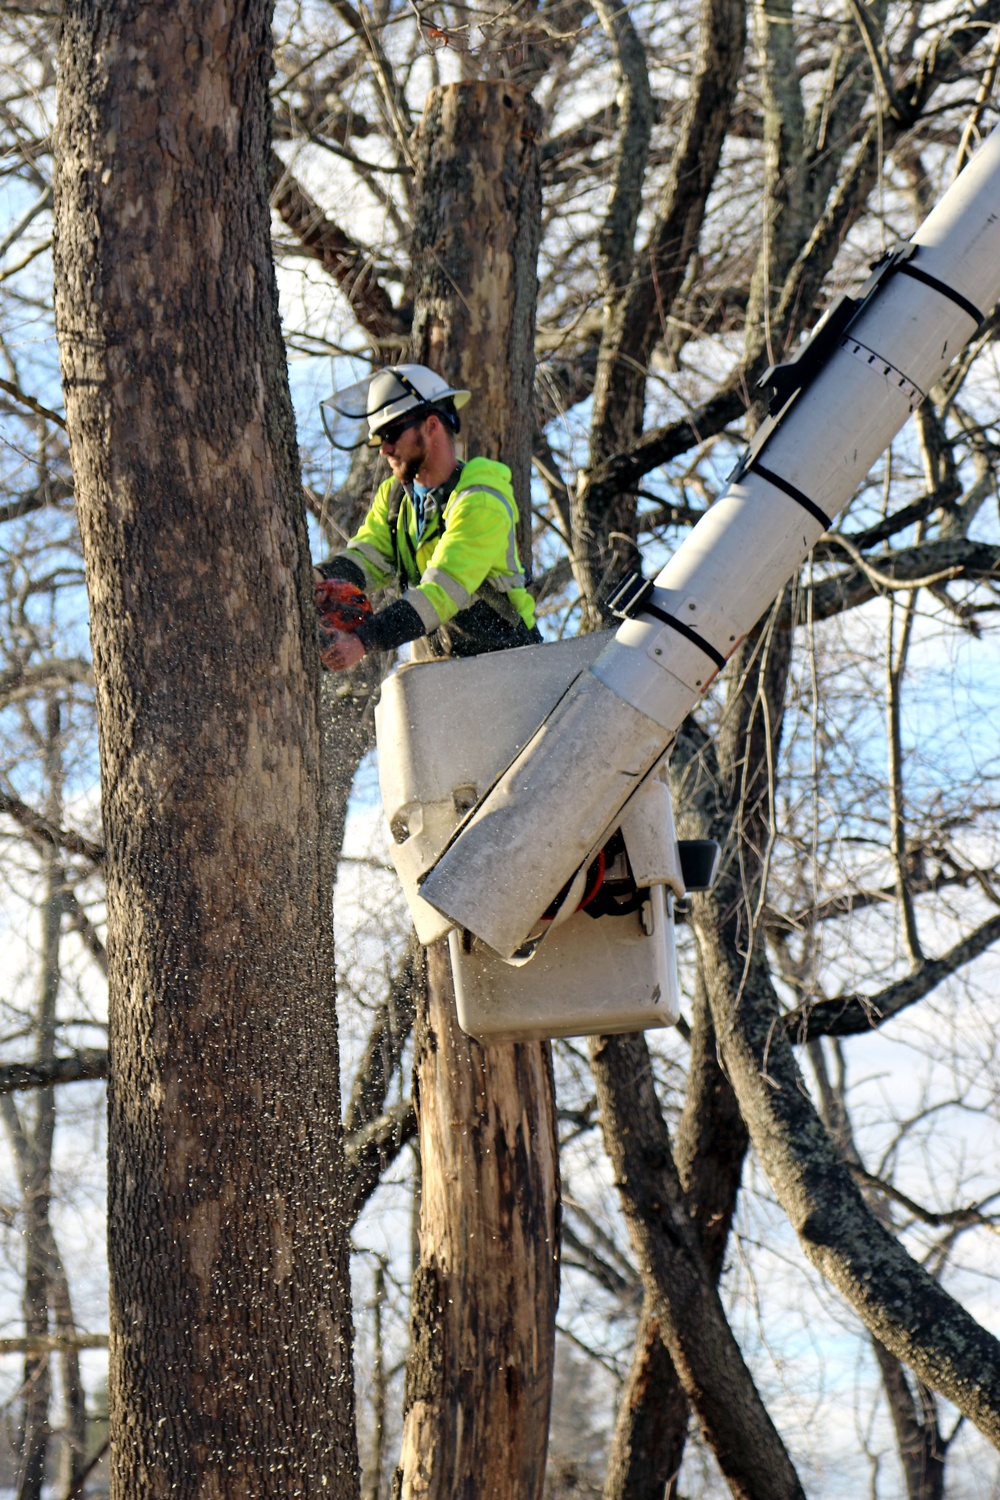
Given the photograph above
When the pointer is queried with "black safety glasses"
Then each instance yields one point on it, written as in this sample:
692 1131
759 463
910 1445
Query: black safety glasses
395 430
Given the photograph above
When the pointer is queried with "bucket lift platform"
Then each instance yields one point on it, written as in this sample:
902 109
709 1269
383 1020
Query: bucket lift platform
446 731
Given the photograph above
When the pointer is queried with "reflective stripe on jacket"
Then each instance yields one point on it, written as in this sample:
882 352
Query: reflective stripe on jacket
473 555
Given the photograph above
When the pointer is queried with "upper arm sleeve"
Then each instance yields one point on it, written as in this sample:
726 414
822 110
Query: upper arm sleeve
370 548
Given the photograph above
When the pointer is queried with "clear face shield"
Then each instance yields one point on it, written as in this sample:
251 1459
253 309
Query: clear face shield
354 417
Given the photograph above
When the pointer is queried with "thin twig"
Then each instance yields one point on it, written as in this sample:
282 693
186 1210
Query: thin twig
17 394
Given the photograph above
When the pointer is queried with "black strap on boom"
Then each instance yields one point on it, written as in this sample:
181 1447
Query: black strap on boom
635 597
909 269
794 493
783 384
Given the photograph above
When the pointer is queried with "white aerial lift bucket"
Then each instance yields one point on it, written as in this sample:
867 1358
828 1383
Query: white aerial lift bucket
446 731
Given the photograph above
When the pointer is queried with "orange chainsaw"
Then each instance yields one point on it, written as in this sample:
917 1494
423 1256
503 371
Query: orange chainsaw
341 605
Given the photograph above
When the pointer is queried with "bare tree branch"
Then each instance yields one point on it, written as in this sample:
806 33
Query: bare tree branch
678 1283
369 1151
347 262
60 838
52 1343
853 1015
622 470
957 1218
81 1067
617 233
394 100
603 1272
81 924
391 1025
24 399
25 681
954 557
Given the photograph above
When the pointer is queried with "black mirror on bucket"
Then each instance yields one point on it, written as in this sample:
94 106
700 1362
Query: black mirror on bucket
699 863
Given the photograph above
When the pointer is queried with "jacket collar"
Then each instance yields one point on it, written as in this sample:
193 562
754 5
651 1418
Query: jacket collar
436 499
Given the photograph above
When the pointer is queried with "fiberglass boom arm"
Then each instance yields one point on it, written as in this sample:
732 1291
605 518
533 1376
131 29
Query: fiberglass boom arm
834 409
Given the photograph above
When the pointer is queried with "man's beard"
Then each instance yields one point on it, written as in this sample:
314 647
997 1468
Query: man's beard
411 467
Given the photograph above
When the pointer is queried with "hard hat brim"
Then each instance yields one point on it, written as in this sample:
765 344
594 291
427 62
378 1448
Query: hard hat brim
430 408
350 423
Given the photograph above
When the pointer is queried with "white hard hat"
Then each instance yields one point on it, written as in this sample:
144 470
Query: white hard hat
382 398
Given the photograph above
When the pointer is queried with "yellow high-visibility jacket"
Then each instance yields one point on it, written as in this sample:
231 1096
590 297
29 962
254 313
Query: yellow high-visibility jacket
466 551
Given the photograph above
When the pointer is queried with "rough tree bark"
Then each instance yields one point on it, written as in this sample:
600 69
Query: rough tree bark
478 1379
652 1422
230 1334
477 225
478 1384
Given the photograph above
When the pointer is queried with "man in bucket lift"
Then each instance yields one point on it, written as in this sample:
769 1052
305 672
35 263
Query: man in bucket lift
444 532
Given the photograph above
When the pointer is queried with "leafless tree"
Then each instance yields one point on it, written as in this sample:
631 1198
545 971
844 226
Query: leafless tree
711 176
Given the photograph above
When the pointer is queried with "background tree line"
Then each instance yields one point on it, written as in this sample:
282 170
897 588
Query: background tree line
696 185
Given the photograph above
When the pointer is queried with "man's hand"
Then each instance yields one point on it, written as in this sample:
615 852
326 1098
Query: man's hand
341 651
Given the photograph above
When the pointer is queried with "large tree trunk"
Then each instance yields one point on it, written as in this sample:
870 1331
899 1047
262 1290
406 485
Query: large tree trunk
480 1370
479 1376
477 227
230 1324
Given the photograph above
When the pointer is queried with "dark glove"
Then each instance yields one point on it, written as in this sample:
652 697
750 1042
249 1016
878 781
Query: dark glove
341 605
